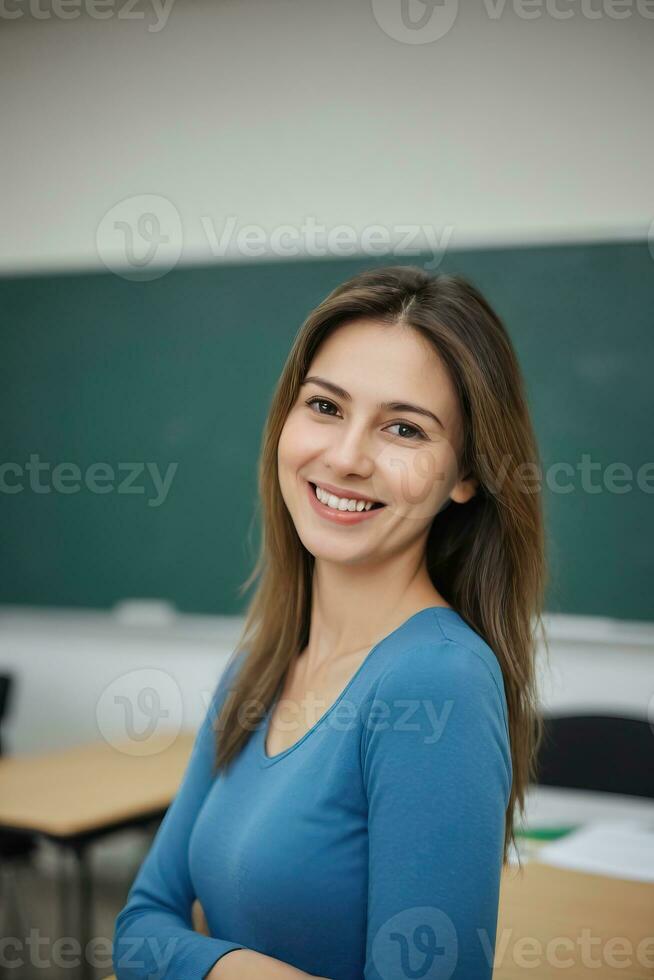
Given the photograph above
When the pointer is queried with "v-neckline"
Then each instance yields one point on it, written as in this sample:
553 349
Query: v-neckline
269 760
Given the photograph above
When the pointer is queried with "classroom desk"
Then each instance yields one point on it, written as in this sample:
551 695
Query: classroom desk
74 796
549 914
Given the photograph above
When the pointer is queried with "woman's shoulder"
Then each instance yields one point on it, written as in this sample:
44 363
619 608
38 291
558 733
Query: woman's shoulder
437 651
439 668
438 639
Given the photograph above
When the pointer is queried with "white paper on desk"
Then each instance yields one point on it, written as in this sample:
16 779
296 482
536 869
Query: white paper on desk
623 849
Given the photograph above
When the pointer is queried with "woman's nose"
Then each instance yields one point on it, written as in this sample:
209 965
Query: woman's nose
351 452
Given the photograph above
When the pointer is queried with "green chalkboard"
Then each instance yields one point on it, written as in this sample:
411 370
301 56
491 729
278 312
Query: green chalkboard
96 369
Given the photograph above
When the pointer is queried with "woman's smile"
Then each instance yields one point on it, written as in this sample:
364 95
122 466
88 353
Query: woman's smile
339 516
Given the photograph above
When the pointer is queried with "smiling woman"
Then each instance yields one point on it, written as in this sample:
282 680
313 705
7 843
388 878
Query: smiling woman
350 798
408 462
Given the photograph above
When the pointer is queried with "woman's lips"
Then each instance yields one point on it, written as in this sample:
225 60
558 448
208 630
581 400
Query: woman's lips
340 516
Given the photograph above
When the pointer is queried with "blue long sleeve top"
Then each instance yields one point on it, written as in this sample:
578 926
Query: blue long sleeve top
371 849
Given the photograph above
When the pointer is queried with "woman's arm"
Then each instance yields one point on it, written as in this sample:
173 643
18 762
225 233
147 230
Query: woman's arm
437 770
245 964
153 934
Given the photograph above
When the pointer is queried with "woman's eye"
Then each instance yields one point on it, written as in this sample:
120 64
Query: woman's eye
416 433
320 401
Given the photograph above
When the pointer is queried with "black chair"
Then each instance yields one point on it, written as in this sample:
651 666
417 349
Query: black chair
16 848
604 753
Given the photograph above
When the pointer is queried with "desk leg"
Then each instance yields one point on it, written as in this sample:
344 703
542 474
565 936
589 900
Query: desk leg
64 885
85 898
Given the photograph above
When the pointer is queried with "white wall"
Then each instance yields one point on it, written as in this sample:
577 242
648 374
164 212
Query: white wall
71 664
518 124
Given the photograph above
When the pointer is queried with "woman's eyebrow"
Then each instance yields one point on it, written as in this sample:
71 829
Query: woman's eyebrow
384 406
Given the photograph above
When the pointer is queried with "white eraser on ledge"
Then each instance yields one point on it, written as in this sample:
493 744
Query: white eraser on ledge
145 612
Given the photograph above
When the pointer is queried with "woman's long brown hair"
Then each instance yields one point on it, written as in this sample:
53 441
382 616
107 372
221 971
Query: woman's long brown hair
486 557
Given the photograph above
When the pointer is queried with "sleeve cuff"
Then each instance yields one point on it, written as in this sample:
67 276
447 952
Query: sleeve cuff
203 960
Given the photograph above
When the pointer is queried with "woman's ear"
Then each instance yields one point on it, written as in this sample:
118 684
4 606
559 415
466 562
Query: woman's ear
464 490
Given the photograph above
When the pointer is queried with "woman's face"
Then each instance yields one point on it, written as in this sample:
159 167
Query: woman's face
404 458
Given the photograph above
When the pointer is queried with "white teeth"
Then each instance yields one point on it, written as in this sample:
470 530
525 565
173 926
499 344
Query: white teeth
341 503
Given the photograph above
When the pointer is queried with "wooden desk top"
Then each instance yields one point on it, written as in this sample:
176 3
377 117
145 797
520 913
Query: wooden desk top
591 924
89 787
556 923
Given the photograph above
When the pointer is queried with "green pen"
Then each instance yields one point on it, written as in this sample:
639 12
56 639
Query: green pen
545 833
